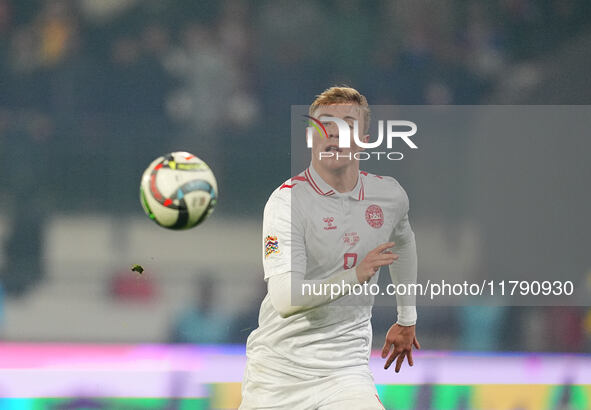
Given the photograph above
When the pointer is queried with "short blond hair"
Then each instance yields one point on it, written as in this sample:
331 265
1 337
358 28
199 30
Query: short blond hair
343 95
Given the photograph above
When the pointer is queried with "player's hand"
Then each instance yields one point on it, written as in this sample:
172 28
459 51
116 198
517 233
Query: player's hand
380 256
403 338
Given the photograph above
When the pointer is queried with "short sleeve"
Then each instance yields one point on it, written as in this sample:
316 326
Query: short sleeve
283 236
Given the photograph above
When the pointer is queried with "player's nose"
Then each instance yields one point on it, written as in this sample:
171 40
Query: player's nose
333 132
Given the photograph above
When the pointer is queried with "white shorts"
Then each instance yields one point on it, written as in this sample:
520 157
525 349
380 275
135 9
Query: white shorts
267 388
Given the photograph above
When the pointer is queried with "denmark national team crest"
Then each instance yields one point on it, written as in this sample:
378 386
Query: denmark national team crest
271 245
374 216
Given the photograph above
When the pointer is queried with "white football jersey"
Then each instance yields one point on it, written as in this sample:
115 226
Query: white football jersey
310 228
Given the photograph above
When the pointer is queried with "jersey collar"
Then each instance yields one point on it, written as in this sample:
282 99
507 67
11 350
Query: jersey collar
322 188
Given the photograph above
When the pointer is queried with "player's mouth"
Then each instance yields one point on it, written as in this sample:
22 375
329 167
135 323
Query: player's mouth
333 148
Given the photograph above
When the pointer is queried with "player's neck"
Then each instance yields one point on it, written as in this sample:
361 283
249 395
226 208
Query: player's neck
341 180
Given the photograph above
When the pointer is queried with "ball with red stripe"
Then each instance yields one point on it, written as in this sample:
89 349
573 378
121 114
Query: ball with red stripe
178 190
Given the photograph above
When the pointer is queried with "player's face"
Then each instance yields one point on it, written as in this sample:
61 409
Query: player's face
326 152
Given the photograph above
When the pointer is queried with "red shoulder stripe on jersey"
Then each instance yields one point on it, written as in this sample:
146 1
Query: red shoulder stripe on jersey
366 173
296 178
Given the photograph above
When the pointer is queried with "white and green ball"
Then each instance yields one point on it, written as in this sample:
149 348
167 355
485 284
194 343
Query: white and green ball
178 190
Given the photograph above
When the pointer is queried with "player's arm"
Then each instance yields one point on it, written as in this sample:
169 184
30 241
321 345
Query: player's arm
404 271
284 259
402 334
282 287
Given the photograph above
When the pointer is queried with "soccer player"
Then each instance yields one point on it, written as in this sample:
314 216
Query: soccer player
330 225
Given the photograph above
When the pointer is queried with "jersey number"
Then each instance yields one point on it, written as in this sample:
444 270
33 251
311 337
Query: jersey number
350 260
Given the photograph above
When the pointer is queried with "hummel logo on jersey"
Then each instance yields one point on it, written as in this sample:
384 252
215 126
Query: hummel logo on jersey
329 220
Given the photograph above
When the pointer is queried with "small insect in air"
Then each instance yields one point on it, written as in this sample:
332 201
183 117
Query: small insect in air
137 268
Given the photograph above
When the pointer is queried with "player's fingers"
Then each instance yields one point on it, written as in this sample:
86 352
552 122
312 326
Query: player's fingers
386 349
392 357
409 357
383 262
383 247
385 257
416 343
399 362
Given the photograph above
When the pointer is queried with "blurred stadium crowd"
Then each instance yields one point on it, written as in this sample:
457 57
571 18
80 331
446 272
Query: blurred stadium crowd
92 83
92 90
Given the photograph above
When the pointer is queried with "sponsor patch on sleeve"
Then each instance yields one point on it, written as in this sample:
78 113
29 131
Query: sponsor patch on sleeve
271 245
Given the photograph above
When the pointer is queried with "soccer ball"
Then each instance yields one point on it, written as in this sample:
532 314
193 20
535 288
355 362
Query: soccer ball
178 191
